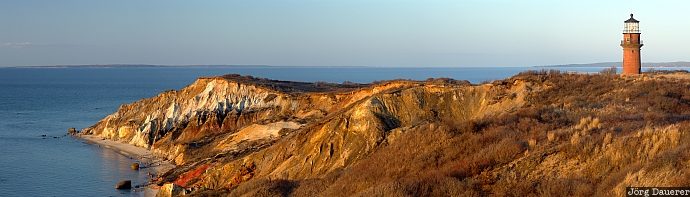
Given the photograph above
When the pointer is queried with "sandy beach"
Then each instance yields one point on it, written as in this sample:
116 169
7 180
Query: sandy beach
145 157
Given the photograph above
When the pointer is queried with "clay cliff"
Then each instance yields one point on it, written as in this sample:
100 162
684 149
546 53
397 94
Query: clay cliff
544 133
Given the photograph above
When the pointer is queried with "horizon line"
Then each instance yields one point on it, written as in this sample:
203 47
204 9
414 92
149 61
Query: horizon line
315 66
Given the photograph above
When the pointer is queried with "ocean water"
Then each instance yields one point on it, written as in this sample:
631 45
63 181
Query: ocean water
37 105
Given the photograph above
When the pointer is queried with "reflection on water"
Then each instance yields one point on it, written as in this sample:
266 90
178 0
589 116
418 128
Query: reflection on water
118 167
63 166
114 166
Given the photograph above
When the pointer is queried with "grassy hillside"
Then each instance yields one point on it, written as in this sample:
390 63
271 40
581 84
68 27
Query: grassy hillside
540 133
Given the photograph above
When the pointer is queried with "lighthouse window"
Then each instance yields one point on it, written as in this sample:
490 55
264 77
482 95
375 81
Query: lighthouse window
627 39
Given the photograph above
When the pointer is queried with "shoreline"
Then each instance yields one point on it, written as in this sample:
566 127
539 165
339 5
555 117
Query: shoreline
143 156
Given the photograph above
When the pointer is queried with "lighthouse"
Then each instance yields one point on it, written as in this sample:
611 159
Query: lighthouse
631 44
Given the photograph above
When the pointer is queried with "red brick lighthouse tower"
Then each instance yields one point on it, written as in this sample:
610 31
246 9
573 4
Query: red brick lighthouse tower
631 44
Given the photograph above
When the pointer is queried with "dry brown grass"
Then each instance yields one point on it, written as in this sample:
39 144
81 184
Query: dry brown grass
584 135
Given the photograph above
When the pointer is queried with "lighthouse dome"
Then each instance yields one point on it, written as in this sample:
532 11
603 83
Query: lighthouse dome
632 20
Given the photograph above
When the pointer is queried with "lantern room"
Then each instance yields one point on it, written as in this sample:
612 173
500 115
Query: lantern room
631 26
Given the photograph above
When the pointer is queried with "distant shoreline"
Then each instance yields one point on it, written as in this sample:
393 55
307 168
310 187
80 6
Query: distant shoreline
247 66
679 64
135 66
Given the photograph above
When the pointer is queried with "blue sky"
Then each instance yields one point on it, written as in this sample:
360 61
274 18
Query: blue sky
335 33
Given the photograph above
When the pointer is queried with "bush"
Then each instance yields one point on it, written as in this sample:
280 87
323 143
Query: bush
609 71
263 187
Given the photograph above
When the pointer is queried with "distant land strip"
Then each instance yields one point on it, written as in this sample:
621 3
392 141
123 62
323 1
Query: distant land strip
609 64
131 66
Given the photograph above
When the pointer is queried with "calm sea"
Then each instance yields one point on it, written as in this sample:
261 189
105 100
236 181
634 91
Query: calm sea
37 105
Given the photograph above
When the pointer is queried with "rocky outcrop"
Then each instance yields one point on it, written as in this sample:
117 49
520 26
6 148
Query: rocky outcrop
72 131
126 184
170 190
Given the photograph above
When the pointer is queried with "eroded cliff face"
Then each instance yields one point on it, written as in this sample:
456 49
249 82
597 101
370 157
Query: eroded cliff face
217 124
207 107
182 125
342 139
241 135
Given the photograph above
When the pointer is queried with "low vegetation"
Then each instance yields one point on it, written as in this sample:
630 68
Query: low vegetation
584 135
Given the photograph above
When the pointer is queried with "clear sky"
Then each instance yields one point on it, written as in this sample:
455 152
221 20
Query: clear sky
336 33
